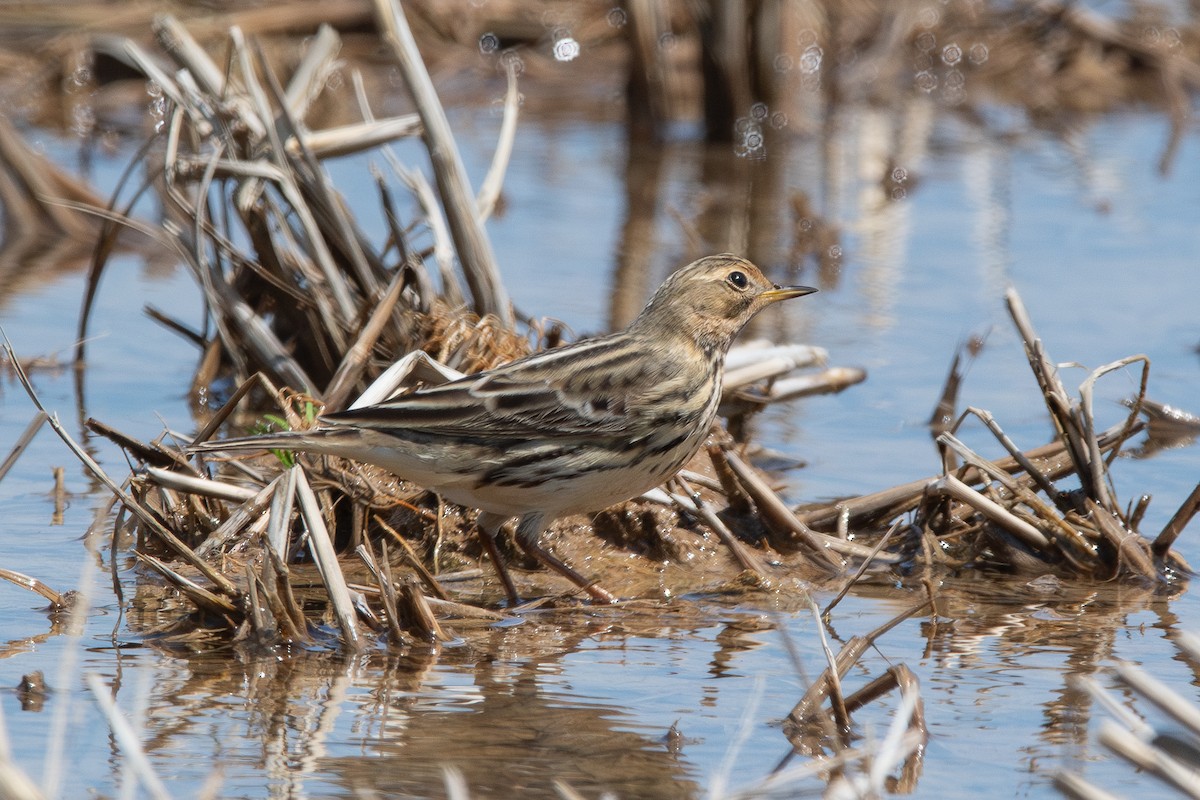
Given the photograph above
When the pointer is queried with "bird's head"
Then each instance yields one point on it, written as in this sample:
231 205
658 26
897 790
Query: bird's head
711 300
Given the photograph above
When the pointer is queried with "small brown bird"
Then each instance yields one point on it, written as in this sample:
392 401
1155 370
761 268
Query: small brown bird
566 431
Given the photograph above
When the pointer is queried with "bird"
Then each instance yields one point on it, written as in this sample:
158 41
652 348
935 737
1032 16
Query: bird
565 431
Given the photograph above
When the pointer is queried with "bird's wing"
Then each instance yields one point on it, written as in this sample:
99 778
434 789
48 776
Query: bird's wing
569 392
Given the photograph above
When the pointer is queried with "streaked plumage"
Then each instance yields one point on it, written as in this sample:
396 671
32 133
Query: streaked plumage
565 431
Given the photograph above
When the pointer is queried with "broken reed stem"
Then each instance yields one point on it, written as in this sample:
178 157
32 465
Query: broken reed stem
862 568
851 651
1075 421
417 613
355 360
57 599
413 560
906 497
327 204
833 679
1058 402
200 486
292 618
774 510
1021 492
473 246
327 562
153 453
443 248
283 502
1132 550
489 190
256 591
229 405
248 512
60 495
742 555
177 42
1023 461
202 598
387 589
951 486
1182 516
308 79
144 514
1084 413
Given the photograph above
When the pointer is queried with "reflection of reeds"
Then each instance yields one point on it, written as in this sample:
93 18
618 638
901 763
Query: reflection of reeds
828 734
49 217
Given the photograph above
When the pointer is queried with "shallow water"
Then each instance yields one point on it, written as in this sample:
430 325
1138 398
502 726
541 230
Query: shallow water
1103 251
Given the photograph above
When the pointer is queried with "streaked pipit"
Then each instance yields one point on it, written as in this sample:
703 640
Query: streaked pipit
565 431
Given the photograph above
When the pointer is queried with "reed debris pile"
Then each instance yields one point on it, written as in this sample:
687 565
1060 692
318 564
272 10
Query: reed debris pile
1050 510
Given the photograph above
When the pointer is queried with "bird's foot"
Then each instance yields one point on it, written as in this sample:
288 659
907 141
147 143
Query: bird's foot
489 544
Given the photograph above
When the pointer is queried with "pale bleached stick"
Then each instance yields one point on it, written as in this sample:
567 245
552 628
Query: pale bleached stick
200 486
282 503
346 139
327 562
489 192
952 487
308 80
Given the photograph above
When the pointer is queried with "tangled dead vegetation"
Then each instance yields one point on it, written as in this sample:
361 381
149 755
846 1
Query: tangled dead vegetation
1013 513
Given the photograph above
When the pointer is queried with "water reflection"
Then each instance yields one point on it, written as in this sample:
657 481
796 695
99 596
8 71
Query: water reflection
538 737
510 708
1026 642
498 709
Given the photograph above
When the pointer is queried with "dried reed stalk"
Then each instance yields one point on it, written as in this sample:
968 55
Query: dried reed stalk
473 246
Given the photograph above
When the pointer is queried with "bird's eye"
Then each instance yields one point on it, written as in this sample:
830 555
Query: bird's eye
737 280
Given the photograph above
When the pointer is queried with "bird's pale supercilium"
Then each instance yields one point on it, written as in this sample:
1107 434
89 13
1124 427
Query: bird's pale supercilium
565 431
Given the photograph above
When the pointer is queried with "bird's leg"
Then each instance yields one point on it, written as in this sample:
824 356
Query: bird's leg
529 529
489 525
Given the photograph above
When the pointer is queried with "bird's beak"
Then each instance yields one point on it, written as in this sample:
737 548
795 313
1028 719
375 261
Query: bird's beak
785 292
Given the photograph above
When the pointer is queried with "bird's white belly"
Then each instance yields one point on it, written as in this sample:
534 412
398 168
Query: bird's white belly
560 496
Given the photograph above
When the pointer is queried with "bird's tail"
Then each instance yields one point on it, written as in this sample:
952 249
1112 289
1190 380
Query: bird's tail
283 440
